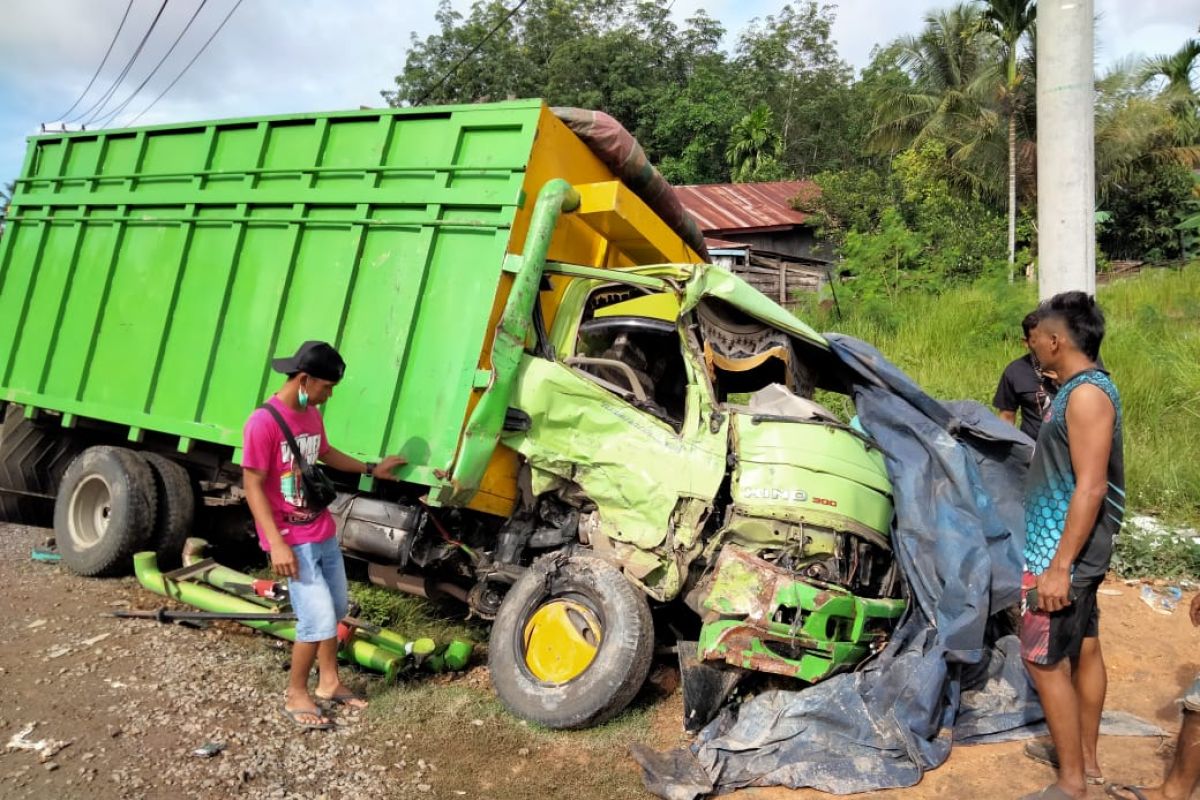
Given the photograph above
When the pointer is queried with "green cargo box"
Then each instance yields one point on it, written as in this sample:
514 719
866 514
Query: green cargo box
147 276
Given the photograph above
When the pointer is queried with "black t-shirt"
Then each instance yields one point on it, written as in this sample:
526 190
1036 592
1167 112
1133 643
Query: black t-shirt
1022 389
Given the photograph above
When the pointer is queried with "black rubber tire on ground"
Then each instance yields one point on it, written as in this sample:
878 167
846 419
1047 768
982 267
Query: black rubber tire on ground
33 458
104 512
622 660
175 509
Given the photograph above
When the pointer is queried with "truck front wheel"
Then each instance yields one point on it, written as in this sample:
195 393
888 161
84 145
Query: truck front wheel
571 644
104 511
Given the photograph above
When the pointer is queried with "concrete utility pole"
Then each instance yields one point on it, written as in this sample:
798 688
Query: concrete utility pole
1066 160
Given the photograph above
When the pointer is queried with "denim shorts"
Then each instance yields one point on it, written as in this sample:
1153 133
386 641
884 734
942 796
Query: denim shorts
1191 699
318 594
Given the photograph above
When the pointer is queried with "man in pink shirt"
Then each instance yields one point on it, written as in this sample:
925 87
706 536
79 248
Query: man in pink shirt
302 539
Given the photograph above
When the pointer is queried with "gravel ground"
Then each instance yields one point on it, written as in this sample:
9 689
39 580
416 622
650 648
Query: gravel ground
133 699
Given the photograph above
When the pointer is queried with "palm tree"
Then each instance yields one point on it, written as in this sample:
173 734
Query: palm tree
1178 71
754 147
952 96
1010 21
1135 131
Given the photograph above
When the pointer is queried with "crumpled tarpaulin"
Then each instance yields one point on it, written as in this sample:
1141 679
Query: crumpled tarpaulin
958 474
621 153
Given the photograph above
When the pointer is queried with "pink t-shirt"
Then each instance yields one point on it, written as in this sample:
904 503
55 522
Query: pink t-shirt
264 447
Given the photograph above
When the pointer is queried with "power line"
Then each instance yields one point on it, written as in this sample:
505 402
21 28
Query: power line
188 66
103 61
474 50
109 117
103 101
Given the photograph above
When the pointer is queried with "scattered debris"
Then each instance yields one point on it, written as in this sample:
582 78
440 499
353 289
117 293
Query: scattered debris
208 749
1162 601
45 748
46 552
1149 527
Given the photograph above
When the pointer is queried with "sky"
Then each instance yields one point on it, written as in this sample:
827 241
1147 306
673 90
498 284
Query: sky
286 56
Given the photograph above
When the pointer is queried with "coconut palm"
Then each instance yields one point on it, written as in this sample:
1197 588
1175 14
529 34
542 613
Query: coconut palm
1011 22
1136 131
952 97
1178 73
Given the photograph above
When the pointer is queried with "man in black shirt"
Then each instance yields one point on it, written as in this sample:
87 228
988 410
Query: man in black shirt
1025 387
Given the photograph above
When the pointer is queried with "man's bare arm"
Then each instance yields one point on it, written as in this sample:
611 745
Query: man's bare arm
1091 419
283 560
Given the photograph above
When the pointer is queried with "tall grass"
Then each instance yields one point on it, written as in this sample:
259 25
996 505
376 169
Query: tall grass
955 345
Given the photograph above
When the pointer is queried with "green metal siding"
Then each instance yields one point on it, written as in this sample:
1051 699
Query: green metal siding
148 276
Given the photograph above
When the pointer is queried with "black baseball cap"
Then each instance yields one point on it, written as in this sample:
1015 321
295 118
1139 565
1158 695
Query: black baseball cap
318 359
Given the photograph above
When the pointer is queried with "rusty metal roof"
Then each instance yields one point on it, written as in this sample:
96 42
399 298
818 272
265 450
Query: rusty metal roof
729 207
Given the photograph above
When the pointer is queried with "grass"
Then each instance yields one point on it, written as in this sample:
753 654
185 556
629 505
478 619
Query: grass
414 616
956 344
464 730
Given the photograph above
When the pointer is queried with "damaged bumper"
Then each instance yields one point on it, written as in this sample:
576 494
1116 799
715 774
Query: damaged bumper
761 617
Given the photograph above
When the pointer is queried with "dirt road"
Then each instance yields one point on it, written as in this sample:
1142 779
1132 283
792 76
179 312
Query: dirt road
134 699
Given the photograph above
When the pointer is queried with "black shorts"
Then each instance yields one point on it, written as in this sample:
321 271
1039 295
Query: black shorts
1049 638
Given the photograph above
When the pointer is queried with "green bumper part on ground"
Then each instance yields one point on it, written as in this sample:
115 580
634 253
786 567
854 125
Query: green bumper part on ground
382 650
759 617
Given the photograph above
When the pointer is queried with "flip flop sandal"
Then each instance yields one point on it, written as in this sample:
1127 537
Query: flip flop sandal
1129 791
343 699
294 714
1044 753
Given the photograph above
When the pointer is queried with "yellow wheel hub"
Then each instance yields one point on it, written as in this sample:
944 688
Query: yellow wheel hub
561 639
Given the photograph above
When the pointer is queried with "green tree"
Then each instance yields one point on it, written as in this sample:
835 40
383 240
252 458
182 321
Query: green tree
950 97
674 89
789 62
1177 73
1136 131
691 120
1144 213
1145 150
1011 22
754 148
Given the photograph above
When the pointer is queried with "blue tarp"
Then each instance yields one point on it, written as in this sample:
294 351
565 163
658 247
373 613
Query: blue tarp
957 473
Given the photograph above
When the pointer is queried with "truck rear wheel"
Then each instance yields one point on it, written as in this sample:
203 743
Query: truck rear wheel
572 643
33 459
104 511
175 509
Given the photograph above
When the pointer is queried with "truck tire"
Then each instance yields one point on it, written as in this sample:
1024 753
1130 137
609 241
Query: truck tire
571 644
33 458
175 509
104 512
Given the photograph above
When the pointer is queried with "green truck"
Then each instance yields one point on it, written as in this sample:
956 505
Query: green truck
595 421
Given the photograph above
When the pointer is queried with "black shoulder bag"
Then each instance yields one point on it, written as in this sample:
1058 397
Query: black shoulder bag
319 490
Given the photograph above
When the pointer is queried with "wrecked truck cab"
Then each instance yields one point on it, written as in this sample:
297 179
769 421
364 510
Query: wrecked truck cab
676 415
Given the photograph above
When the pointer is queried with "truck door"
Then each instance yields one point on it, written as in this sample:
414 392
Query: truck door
621 417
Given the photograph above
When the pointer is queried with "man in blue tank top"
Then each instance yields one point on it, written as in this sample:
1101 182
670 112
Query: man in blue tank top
1074 504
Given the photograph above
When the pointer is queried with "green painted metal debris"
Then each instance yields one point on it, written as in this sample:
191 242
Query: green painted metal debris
380 650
